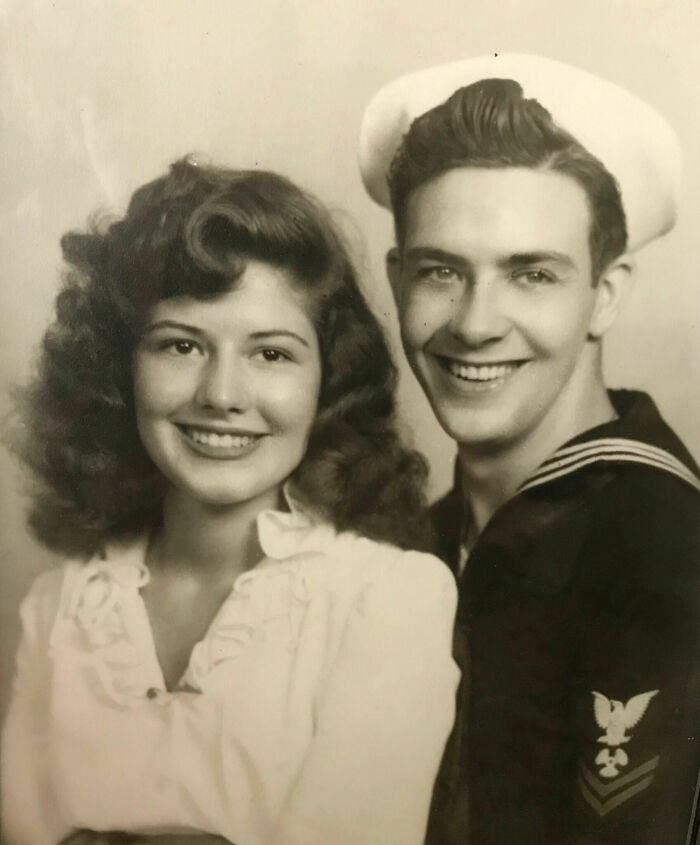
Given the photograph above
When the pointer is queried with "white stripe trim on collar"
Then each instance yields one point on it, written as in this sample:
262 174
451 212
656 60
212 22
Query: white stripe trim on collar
611 449
572 454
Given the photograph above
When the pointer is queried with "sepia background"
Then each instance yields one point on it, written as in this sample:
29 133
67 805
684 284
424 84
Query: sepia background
98 96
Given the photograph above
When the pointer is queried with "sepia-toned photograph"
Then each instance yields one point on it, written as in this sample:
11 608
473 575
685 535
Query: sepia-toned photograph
349 422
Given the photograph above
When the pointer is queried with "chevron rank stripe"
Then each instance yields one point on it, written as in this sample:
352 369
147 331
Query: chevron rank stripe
603 797
613 450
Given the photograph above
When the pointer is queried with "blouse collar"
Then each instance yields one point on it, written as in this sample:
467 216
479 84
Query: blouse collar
299 530
281 534
104 604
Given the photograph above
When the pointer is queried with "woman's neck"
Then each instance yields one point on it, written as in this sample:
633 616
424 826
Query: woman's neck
214 541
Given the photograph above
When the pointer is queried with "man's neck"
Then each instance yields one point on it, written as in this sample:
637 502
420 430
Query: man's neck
492 476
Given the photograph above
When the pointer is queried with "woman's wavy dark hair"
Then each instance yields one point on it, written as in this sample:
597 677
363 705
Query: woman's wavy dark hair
191 232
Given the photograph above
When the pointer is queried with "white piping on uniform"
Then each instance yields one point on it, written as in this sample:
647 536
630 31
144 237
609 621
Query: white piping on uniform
612 449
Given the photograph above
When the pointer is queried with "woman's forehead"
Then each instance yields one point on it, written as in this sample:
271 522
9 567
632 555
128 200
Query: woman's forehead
262 295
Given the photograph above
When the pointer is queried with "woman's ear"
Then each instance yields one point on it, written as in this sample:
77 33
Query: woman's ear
393 271
612 285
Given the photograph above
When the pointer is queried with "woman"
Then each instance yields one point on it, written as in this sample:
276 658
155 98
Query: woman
215 407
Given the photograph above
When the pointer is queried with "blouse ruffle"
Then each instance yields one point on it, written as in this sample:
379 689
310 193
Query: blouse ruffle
103 623
325 676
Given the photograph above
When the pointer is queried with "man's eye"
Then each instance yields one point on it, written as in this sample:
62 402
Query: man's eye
438 273
534 277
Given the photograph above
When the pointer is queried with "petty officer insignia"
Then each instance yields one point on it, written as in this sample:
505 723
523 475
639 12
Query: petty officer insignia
613 783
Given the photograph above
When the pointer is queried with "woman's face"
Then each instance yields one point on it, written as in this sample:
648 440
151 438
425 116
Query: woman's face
226 389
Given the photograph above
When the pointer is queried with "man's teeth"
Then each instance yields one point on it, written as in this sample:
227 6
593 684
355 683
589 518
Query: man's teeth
223 441
483 373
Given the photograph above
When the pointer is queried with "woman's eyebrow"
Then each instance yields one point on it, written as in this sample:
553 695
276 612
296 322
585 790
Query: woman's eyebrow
172 324
261 335
279 333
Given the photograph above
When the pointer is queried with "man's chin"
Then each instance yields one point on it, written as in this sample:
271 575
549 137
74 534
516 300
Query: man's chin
474 434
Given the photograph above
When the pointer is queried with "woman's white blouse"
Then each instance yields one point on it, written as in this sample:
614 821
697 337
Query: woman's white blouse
315 709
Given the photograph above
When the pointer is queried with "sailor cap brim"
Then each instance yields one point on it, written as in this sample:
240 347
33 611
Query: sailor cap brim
633 141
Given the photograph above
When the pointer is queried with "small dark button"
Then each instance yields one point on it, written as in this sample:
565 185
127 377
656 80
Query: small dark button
152 692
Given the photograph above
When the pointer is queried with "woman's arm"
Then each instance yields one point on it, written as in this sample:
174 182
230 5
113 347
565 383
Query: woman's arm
29 810
383 717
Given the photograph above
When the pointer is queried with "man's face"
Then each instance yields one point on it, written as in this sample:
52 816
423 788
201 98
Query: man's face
496 302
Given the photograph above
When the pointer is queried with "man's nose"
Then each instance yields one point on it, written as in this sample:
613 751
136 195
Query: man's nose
223 384
479 317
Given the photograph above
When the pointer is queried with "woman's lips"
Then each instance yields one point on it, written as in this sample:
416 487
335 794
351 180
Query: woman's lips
225 444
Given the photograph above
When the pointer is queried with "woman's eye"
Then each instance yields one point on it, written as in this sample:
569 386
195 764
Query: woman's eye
181 347
273 356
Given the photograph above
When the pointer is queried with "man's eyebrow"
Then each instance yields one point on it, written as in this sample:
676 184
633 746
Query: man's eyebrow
521 259
421 253
516 259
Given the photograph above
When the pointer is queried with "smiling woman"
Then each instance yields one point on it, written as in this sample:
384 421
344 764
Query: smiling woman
192 237
212 433
234 380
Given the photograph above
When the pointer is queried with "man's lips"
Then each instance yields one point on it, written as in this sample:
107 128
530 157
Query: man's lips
481 373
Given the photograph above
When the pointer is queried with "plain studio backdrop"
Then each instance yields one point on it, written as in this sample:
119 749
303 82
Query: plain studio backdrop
99 97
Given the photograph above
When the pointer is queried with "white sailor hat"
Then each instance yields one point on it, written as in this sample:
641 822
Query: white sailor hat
634 143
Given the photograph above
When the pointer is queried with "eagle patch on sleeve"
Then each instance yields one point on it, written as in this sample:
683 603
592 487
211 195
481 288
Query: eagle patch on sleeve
613 783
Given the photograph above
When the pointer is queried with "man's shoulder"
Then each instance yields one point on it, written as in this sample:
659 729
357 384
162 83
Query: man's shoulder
647 497
644 530
634 477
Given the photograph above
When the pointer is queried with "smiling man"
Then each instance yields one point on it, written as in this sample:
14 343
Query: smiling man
520 188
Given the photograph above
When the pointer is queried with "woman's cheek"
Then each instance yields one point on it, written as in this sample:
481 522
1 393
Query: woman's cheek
161 386
291 397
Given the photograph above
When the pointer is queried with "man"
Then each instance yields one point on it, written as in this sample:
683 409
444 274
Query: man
519 192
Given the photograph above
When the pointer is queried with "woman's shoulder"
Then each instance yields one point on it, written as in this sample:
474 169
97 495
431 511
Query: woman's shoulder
57 587
402 609
390 558
344 554
386 574
47 588
46 598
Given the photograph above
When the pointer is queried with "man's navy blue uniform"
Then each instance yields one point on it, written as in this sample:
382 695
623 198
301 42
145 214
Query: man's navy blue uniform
521 188
581 605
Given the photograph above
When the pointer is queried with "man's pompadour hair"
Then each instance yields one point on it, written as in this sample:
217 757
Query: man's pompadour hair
491 124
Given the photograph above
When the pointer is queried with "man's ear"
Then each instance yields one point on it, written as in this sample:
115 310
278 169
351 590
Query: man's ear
612 286
393 271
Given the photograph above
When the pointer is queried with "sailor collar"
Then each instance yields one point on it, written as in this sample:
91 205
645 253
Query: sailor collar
620 441
638 436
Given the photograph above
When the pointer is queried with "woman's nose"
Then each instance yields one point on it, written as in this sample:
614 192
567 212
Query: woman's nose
223 385
478 317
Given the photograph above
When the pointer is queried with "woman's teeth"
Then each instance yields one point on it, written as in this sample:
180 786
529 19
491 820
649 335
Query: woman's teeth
480 373
223 441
